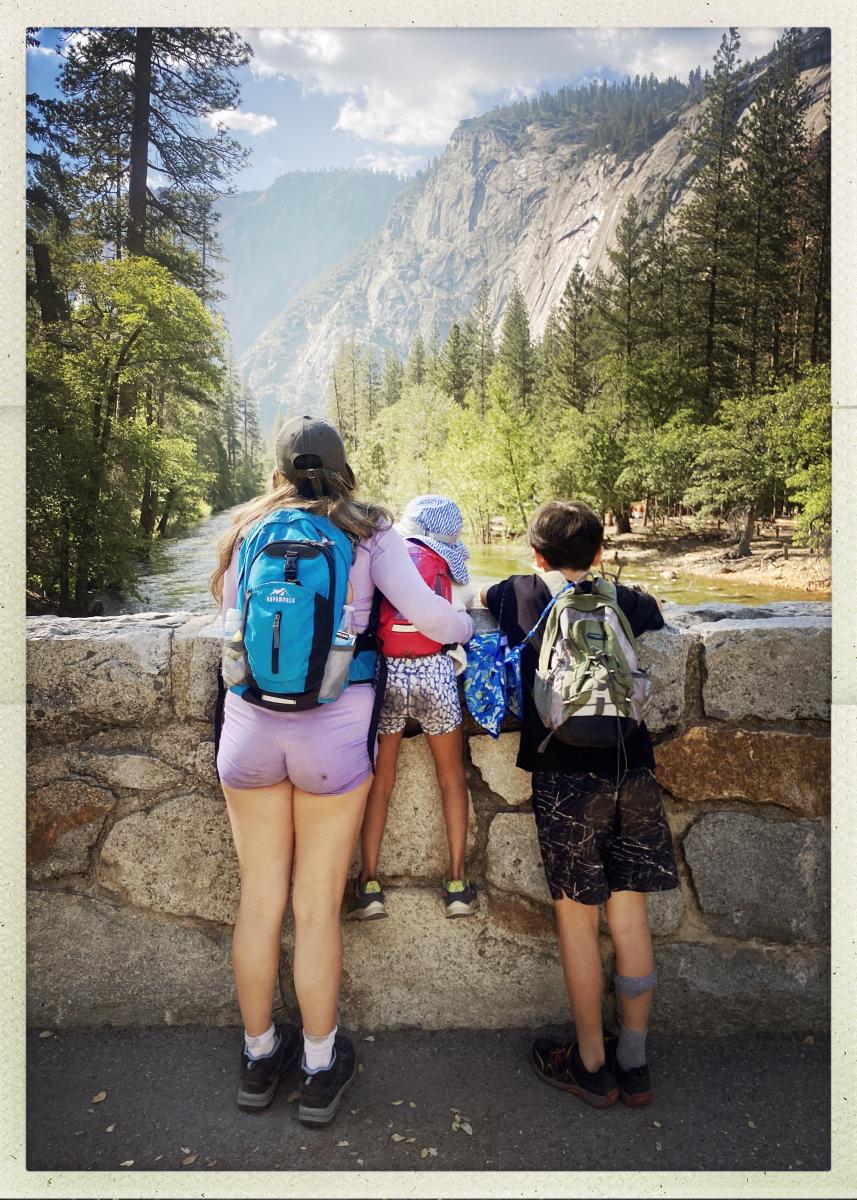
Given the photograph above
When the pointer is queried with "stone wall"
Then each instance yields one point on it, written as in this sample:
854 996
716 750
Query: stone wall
133 882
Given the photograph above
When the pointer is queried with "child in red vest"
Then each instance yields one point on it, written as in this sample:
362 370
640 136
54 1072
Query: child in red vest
421 684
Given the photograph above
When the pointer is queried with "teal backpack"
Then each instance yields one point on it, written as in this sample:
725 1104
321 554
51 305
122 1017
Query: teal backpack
293 571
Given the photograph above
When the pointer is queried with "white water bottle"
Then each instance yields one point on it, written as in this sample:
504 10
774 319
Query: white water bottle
232 661
345 632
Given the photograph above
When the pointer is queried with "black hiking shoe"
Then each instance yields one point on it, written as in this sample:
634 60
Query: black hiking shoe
260 1076
559 1065
321 1093
635 1085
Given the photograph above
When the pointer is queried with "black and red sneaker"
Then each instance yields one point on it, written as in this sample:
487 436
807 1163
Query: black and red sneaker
635 1085
560 1066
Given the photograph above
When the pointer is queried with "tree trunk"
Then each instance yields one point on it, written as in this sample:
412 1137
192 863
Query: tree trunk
64 565
742 550
623 520
136 242
51 302
165 515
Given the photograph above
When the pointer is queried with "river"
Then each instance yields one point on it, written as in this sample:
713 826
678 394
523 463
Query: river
177 576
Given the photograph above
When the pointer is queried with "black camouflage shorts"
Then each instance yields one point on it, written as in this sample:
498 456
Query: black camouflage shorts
593 844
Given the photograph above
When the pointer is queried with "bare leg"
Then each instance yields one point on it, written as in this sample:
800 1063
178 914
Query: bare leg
377 803
577 931
447 752
326 829
627 919
263 832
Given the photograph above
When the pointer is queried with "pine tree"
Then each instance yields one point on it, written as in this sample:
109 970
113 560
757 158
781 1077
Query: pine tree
345 392
618 295
772 148
416 369
479 338
454 365
708 220
132 102
391 379
567 346
371 387
515 352
434 358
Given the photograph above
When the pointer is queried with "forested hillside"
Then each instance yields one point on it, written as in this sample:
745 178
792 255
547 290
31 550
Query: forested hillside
690 369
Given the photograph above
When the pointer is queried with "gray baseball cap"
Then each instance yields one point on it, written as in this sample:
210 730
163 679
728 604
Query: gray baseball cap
308 448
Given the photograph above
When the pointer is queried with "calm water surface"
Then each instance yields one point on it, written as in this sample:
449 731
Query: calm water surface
177 576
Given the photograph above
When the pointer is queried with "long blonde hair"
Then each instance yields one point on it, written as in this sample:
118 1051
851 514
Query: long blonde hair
357 518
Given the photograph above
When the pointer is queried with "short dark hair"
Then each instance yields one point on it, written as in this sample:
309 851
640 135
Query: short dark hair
567 534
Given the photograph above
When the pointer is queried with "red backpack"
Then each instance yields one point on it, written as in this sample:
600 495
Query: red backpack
397 637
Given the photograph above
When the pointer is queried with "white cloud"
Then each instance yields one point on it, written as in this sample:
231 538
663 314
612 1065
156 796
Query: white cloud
246 122
391 160
42 50
411 87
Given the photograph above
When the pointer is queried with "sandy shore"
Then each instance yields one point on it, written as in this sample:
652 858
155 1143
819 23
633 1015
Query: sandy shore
680 551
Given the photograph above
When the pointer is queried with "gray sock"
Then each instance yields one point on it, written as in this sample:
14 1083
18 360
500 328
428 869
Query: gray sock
631 1051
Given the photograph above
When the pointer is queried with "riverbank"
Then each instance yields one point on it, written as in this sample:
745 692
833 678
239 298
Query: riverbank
678 550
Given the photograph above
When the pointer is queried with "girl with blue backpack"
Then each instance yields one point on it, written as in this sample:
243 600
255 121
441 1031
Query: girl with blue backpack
299 573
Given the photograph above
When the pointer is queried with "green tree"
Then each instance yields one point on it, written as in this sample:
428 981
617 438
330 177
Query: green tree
455 367
130 324
708 220
416 367
391 378
515 352
479 339
773 149
132 102
567 344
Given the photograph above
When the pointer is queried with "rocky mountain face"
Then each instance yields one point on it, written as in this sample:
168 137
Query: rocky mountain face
275 241
497 205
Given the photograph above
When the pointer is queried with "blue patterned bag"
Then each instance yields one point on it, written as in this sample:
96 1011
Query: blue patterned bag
492 680
484 680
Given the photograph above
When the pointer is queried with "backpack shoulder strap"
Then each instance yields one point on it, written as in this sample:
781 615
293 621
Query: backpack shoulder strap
546 610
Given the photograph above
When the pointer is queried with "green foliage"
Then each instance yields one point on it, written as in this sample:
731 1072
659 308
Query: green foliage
134 426
515 352
132 332
770 445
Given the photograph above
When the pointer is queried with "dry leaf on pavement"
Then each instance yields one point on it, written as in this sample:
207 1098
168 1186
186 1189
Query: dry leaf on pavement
189 1160
98 1097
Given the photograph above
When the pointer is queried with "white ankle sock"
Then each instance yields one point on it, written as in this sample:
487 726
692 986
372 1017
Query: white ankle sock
262 1044
318 1052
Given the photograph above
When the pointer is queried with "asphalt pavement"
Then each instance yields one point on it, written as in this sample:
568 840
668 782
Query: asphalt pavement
164 1099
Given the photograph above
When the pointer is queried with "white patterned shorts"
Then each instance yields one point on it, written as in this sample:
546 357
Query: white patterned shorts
423 688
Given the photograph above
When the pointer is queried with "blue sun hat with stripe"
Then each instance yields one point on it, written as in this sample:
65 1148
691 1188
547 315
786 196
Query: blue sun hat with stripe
437 522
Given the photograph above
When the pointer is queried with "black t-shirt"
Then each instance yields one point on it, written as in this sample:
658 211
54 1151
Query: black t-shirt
524 598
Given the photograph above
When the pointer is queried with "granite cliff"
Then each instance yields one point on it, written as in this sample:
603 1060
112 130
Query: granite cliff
501 202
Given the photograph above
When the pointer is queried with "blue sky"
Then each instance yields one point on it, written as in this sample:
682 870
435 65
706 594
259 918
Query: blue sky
390 98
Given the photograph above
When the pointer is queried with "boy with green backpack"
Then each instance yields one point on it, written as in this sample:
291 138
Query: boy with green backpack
602 831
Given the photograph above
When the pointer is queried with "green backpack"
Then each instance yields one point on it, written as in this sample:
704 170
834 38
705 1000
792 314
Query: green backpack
589 689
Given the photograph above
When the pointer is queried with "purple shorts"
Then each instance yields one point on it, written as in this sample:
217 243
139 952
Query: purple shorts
321 750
